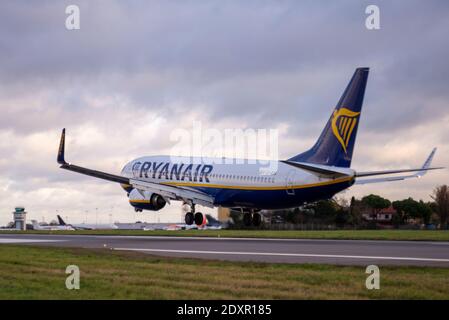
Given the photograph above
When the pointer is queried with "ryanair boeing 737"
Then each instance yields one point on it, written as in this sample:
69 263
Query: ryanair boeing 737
318 173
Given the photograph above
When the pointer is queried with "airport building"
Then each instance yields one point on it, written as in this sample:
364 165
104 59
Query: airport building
20 218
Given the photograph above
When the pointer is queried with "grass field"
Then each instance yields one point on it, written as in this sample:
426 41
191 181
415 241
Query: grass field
28 272
413 235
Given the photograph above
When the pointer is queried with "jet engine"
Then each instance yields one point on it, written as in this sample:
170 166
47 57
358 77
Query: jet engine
145 200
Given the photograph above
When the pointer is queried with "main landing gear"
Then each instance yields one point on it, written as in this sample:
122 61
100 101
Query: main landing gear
192 217
252 218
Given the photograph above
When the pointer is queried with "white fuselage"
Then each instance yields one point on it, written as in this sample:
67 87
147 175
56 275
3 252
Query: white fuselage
234 182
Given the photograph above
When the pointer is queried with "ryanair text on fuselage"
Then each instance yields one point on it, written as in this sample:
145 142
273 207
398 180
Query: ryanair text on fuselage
172 171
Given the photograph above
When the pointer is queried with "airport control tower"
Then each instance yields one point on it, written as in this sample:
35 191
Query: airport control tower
20 218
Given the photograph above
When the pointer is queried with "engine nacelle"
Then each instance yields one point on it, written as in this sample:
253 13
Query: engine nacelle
146 200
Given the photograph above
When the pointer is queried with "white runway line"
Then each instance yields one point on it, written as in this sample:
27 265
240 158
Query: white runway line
12 240
285 254
416 242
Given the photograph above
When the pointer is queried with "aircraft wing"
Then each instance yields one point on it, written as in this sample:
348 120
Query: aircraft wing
175 193
419 172
187 195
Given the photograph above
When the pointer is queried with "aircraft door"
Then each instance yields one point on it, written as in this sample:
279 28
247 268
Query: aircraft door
290 182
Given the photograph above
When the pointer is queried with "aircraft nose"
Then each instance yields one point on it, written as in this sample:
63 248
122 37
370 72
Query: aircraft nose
125 169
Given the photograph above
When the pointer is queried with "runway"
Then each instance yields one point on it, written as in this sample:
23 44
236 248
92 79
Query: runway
342 252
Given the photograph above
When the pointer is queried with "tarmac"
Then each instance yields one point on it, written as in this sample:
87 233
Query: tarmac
298 251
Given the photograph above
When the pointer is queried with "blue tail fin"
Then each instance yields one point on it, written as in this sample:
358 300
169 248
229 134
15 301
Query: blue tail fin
335 145
61 222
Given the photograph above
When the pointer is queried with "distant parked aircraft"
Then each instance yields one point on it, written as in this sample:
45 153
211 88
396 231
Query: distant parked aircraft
37 226
86 226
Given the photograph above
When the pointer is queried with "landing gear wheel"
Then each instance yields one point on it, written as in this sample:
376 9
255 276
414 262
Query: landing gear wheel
189 218
257 219
199 218
247 219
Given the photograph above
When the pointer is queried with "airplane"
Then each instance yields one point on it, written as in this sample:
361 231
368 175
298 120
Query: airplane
37 226
85 226
209 223
214 224
174 227
316 174
8 229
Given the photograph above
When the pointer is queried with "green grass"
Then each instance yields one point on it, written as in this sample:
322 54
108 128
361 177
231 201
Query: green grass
413 235
28 272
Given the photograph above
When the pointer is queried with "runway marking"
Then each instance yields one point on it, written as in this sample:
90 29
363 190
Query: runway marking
150 237
416 242
13 240
285 254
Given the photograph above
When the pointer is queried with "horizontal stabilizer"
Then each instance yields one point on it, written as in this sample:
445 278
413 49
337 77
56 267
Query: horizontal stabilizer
322 170
384 179
419 172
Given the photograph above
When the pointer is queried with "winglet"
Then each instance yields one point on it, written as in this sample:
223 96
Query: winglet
426 164
60 158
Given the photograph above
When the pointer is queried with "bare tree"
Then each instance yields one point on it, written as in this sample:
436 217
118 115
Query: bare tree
441 198
341 201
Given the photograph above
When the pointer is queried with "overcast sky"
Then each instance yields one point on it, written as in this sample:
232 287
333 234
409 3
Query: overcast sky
137 70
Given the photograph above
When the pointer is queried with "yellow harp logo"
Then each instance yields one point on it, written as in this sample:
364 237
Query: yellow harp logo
343 122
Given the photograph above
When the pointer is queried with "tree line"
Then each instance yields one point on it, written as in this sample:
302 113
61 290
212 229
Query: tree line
435 211
341 212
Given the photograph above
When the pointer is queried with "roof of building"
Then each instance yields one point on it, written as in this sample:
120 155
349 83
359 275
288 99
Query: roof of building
389 210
